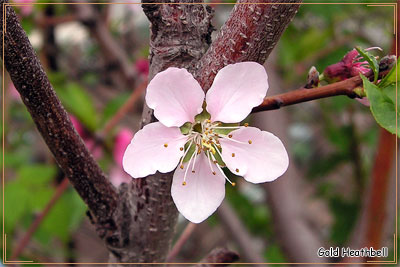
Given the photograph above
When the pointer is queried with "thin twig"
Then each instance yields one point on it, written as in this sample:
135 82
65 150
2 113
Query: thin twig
126 107
301 95
239 233
181 241
36 223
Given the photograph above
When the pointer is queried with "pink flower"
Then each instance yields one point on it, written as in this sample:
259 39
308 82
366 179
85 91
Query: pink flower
348 67
203 144
27 8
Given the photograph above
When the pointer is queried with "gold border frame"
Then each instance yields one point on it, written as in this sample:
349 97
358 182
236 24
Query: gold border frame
4 235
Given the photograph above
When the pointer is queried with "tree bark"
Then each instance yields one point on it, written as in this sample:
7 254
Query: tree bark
54 124
137 222
146 217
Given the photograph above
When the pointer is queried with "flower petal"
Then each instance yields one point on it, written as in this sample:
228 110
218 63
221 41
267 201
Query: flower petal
259 157
203 192
147 152
175 96
236 90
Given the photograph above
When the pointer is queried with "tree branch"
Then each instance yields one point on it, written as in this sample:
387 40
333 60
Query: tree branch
53 123
302 94
250 34
146 217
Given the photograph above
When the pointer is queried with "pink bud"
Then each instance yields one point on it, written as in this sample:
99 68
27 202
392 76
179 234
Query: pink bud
348 67
142 66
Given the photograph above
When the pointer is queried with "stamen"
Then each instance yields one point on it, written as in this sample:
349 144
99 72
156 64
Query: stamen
234 140
209 162
374 48
219 168
184 154
194 161
190 161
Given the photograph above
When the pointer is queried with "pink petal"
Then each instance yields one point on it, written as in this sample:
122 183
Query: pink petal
175 96
147 153
264 160
203 192
122 140
236 90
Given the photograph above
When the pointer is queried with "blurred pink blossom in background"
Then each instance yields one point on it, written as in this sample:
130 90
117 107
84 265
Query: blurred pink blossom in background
117 174
27 9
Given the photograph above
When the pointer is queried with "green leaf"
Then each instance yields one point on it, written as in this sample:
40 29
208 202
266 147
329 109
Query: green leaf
383 105
78 102
390 78
113 106
63 218
373 63
29 192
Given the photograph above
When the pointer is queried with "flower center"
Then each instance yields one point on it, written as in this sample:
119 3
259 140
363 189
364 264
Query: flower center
204 137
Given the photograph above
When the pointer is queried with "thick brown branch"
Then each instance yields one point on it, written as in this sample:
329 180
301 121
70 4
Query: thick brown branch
300 95
147 215
53 123
250 34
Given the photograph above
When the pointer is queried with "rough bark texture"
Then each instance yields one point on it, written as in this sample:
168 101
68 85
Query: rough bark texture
137 223
54 125
180 34
250 34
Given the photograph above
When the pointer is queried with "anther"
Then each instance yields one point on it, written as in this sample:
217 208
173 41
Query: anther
165 145
237 170
193 171
181 148
209 121
233 184
250 142
214 173
230 136
233 154
181 166
215 162
246 124
184 183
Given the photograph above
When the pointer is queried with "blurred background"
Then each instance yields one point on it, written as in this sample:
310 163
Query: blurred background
96 59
